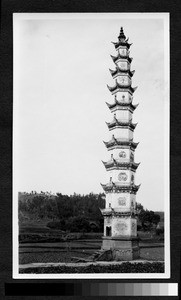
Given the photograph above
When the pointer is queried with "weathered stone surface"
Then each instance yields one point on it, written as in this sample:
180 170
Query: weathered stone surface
122 248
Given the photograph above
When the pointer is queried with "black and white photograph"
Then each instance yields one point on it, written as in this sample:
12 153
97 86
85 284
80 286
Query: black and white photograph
91 105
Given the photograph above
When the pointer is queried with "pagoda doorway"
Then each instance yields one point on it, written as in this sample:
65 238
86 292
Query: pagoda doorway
108 230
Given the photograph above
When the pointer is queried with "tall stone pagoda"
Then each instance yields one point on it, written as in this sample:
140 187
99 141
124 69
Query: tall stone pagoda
120 223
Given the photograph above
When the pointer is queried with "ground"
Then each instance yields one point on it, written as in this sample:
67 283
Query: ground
65 251
38 244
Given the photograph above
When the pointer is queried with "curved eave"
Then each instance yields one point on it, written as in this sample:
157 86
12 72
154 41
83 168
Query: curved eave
136 187
107 187
129 59
110 105
134 125
112 72
134 145
135 165
118 86
129 188
128 105
117 123
112 143
103 186
104 162
106 213
119 56
125 43
114 43
120 71
116 164
106 144
134 106
128 45
108 164
115 213
115 142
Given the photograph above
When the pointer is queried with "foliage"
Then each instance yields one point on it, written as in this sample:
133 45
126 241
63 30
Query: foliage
156 219
139 227
139 207
159 230
75 224
54 236
77 205
40 206
156 267
56 224
74 213
40 238
147 218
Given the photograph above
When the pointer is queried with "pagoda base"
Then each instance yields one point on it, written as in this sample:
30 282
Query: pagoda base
122 248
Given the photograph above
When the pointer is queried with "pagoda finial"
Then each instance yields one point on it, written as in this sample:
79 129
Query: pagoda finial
121 35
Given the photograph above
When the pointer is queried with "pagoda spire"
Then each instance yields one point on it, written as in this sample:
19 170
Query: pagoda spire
121 36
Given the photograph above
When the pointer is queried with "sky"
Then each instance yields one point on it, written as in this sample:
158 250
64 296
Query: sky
61 72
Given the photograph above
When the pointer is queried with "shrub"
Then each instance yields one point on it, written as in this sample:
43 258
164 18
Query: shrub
159 231
55 225
139 227
78 224
156 267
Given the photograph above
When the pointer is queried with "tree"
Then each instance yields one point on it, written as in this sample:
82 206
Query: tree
147 218
139 207
156 219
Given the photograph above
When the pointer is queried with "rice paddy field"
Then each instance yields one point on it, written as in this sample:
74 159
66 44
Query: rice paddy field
65 252
38 244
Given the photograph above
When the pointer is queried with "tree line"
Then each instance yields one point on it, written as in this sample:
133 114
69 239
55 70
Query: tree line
75 212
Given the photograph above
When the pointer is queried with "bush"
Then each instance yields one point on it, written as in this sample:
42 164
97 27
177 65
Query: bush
78 224
73 224
55 225
139 227
156 267
159 231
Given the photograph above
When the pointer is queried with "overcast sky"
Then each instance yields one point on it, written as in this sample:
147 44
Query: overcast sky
61 72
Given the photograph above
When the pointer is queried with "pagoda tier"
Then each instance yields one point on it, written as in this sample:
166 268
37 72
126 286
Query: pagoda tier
119 56
119 124
115 187
120 71
121 142
121 87
122 105
116 164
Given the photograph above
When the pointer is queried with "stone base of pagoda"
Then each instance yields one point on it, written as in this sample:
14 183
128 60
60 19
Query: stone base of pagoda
122 248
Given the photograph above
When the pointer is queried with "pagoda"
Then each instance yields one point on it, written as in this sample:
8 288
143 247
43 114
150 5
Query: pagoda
120 223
